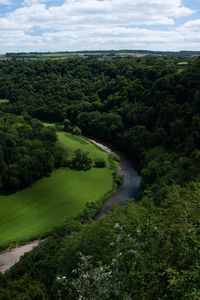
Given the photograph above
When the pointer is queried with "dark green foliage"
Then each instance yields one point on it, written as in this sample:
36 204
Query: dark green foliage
69 128
99 163
149 250
142 252
66 124
118 179
27 152
115 157
81 160
76 131
23 289
138 104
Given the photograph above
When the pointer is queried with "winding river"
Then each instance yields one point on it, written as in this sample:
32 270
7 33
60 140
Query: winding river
129 189
130 186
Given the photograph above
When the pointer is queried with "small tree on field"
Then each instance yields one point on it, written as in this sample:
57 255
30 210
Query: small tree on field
81 160
76 131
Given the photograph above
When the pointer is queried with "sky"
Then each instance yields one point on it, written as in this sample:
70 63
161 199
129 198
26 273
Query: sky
71 25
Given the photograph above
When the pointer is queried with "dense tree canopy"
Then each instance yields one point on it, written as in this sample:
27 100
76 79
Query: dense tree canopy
27 152
138 252
150 108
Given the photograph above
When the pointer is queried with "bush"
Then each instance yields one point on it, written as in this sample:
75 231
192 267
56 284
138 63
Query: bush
99 163
76 131
118 179
66 124
114 156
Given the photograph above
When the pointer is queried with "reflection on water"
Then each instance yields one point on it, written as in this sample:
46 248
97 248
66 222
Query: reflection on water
129 188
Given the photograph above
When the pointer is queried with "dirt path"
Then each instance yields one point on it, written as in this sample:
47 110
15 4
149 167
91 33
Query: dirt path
9 258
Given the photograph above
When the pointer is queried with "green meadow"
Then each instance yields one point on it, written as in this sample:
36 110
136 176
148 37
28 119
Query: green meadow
49 202
183 63
69 143
2 101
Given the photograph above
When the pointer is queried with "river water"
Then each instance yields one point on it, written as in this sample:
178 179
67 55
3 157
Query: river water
129 188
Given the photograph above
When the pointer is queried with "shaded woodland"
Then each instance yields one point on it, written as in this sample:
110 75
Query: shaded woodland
150 109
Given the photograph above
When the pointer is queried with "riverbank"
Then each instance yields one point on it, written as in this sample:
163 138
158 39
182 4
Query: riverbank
101 146
10 257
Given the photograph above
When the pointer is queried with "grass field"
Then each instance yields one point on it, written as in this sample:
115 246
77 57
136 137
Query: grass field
42 56
2 101
49 202
69 143
183 63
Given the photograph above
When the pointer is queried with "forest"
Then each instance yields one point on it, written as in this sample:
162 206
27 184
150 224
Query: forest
27 152
149 108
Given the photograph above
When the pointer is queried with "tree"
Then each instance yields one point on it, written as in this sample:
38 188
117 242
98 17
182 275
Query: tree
27 152
81 160
66 124
24 289
76 131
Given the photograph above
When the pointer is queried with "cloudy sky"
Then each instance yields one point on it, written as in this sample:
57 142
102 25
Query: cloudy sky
55 25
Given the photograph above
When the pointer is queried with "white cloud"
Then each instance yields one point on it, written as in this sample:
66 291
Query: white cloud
4 2
30 2
95 24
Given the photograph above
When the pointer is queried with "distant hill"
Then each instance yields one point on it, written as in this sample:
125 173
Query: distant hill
99 53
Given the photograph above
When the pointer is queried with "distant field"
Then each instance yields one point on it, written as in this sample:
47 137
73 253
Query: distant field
109 54
2 101
50 201
48 124
183 63
42 56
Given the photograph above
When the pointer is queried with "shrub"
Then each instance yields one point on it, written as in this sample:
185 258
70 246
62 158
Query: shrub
99 163
76 131
114 156
118 179
66 124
